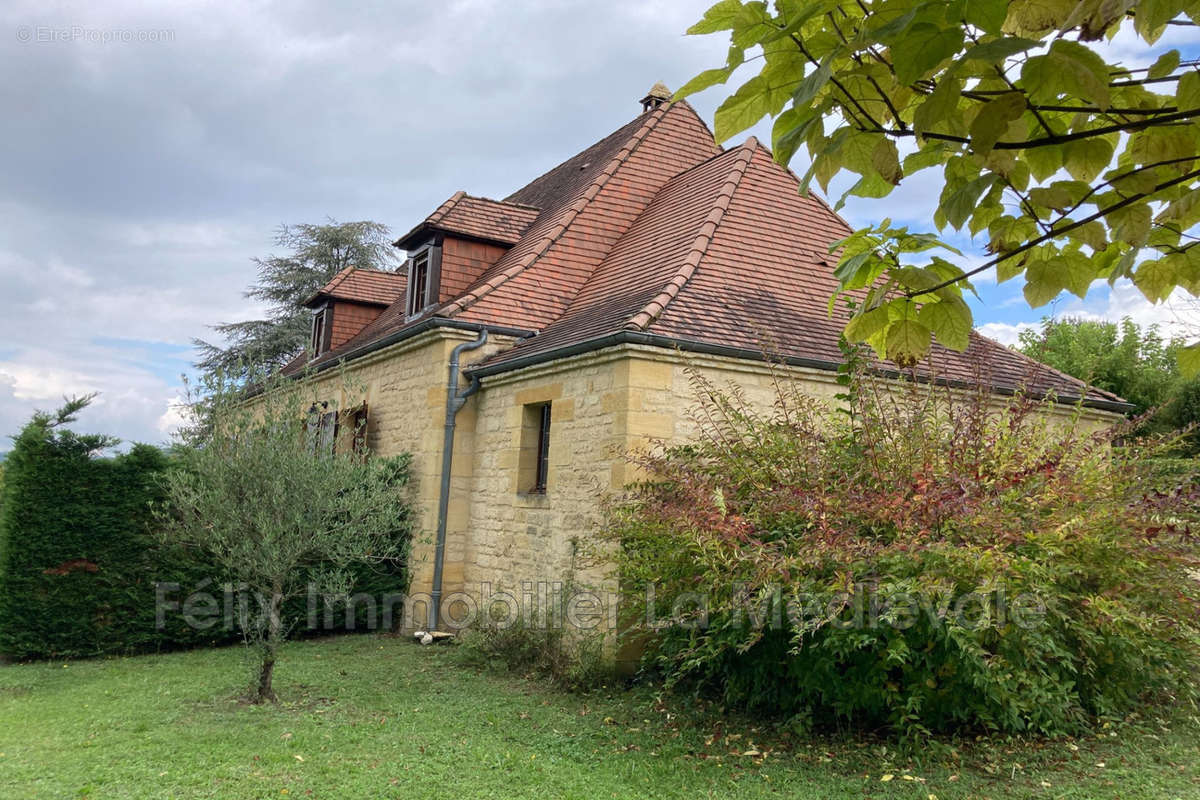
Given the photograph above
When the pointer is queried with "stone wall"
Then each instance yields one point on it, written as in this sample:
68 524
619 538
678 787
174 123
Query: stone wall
604 405
404 387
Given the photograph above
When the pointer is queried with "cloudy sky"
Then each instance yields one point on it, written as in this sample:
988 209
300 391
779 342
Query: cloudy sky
151 152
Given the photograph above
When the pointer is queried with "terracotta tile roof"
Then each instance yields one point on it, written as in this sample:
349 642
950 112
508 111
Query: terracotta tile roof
533 285
478 218
656 234
370 286
572 175
649 263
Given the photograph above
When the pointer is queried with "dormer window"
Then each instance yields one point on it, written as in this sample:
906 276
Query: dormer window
424 268
322 325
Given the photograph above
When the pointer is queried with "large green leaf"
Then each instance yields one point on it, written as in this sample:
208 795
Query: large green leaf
958 200
1156 278
746 106
993 120
722 16
710 77
1069 70
950 322
1188 91
1131 224
1167 63
939 108
866 324
1037 16
907 342
1151 16
1087 158
921 48
1189 360
987 15
1078 272
791 130
1043 282
995 51
886 158
813 82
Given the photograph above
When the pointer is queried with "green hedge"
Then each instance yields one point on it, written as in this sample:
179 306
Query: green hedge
79 564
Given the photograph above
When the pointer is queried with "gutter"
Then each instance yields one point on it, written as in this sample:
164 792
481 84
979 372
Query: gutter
455 400
708 348
409 332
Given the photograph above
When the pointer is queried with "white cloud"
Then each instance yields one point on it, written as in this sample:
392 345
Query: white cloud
134 401
1005 333
1179 316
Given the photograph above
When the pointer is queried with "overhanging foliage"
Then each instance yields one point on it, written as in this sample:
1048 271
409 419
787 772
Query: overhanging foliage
1072 168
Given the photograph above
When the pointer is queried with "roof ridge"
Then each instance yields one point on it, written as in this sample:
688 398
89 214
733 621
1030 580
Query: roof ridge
581 152
444 208
468 299
821 201
654 309
525 206
336 280
376 271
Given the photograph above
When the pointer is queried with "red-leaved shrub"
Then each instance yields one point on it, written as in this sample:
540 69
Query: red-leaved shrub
914 557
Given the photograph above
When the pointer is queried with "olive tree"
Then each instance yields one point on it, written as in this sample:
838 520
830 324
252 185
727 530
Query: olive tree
1069 166
279 502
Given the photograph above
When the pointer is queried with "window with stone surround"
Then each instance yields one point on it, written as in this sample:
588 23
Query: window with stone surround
533 469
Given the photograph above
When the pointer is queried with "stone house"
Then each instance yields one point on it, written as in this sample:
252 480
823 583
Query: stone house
529 343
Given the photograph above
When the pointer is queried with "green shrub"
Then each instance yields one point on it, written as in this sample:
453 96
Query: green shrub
918 558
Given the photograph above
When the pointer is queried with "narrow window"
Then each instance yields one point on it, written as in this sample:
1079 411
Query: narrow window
327 441
418 283
358 419
320 336
321 428
424 277
543 451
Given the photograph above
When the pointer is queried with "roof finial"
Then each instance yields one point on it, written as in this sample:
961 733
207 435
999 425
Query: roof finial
657 95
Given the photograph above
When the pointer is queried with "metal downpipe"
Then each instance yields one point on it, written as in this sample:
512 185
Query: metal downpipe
454 403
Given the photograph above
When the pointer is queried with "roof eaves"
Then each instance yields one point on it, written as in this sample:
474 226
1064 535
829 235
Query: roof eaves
709 348
654 309
407 332
470 298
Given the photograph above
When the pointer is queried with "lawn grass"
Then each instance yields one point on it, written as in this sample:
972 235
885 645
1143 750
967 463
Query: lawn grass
380 717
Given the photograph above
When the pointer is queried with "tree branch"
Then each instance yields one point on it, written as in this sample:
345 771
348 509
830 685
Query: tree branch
836 83
1126 127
